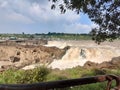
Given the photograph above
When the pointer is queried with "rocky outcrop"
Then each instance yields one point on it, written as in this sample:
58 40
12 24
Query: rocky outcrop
90 65
14 59
114 63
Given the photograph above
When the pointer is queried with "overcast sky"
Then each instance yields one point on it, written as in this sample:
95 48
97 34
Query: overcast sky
36 16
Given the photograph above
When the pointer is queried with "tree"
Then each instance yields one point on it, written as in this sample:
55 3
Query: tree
104 13
23 33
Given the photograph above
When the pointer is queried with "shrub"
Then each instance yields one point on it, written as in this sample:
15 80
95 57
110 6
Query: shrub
30 76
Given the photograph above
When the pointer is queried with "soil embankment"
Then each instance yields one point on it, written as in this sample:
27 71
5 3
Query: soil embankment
20 56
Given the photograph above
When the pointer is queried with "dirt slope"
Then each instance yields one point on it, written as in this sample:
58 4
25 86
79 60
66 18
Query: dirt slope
20 56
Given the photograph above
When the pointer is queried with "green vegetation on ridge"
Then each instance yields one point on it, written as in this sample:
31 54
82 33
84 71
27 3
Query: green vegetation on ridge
49 36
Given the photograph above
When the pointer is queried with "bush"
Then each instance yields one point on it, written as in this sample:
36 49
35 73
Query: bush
30 76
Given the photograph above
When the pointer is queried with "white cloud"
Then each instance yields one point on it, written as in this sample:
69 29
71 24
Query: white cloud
16 17
3 4
78 27
39 11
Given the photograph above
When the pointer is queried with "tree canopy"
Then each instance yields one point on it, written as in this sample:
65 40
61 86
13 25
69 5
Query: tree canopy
104 13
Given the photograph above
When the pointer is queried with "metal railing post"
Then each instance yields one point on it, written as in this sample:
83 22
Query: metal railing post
64 83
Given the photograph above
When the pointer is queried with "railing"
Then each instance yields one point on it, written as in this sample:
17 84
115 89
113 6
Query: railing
64 83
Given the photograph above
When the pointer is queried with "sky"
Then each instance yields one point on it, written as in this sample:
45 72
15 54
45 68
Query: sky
36 16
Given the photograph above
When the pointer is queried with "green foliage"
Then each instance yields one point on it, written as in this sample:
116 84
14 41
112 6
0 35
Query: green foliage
96 86
65 36
52 36
54 77
21 76
43 74
104 13
34 76
79 72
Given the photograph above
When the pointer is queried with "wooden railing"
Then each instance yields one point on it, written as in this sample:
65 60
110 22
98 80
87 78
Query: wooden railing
64 83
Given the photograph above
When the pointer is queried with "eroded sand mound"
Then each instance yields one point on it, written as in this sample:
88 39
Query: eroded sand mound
20 56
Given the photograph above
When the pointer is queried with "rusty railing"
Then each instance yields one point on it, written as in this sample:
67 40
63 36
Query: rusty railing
64 83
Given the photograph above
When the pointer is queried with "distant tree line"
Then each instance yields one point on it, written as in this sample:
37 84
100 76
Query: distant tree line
49 35
55 33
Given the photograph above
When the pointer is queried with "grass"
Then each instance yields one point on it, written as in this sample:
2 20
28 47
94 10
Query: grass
12 76
43 74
